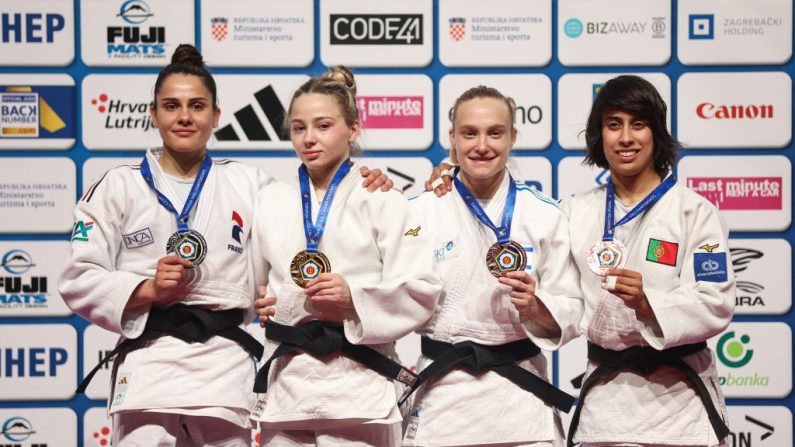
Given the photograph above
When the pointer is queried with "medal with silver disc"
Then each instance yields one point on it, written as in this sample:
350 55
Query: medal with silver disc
190 246
610 253
186 243
505 255
606 255
310 263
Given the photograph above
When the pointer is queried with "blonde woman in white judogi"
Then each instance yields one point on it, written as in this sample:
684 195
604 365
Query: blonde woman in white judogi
382 284
539 304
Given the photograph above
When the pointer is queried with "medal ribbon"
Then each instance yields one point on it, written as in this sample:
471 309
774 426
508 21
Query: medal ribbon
193 196
315 232
643 205
502 232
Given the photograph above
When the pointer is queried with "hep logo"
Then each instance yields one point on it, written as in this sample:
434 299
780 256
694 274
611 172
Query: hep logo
710 265
732 352
103 98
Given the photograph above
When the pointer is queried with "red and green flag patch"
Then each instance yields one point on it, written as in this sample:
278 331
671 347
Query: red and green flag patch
662 252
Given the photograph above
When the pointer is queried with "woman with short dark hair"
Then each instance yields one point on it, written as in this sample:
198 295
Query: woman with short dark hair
657 283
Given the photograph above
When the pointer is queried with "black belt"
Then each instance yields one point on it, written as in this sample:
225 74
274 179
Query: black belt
321 339
190 324
501 359
644 360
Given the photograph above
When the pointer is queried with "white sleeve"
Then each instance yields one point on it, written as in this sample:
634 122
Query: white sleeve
258 265
557 286
697 309
410 286
92 285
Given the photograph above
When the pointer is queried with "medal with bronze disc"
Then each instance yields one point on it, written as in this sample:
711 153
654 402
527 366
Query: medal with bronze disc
310 263
505 255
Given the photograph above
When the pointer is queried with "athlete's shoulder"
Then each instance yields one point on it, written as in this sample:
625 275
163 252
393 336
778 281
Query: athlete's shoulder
111 182
535 195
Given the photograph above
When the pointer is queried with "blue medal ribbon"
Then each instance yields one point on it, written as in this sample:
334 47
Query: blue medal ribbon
502 232
315 232
643 205
193 197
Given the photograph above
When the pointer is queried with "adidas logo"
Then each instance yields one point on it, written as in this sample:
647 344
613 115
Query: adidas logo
249 121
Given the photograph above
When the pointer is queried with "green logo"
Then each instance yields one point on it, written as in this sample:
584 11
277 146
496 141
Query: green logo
81 229
732 352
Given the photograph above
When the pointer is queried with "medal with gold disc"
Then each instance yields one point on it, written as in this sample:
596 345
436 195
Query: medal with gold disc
310 263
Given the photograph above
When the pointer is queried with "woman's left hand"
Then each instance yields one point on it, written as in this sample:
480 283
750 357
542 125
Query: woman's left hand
526 302
330 294
374 179
628 285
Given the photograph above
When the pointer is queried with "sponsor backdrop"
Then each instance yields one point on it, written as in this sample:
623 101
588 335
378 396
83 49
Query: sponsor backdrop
76 80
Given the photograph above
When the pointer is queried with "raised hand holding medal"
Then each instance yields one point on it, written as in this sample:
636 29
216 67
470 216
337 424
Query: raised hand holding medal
186 243
310 263
610 253
505 255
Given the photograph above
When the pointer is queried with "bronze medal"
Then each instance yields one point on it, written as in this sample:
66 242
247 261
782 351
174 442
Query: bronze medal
504 258
307 266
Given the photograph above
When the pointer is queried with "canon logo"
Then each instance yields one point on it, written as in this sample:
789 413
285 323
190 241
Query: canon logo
707 110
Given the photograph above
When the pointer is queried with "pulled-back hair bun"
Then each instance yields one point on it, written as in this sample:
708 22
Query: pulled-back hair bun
342 75
187 54
188 61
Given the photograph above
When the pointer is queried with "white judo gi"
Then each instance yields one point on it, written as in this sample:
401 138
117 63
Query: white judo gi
121 232
381 250
460 408
661 408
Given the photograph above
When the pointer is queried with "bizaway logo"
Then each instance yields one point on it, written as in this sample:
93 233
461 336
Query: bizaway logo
740 193
130 42
748 292
733 352
250 123
120 114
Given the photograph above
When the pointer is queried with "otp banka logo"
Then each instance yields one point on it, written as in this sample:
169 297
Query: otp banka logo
17 429
30 27
135 41
18 290
701 26
732 352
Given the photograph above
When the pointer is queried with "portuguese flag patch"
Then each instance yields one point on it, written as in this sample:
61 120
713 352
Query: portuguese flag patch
662 252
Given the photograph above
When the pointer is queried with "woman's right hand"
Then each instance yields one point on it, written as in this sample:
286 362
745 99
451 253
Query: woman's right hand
264 306
441 181
166 284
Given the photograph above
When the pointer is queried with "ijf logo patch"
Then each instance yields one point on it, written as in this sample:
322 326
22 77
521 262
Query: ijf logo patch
138 239
710 267
662 252
81 229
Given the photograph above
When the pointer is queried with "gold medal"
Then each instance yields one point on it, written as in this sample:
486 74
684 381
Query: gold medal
504 258
307 266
